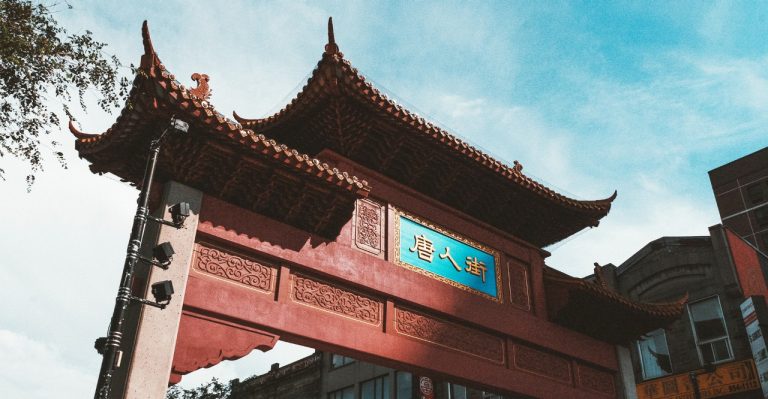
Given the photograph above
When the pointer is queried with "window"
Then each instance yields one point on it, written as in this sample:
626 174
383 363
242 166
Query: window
377 388
709 331
756 193
338 361
344 393
654 354
761 216
489 395
457 391
403 385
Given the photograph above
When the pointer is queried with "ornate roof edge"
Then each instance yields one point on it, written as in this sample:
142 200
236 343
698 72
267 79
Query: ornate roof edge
152 68
361 88
597 289
77 133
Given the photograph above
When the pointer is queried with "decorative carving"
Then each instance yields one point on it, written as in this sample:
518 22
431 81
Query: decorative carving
518 167
600 276
202 91
596 380
518 286
542 363
369 226
204 342
235 268
449 335
336 300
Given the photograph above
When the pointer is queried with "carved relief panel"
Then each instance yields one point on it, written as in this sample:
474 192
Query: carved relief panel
596 380
542 363
328 297
519 289
234 268
450 335
368 227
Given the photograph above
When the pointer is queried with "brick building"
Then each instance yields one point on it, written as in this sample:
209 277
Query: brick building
324 375
703 271
741 192
298 380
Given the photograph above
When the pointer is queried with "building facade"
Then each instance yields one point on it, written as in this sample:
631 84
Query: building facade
298 380
711 332
741 193
324 375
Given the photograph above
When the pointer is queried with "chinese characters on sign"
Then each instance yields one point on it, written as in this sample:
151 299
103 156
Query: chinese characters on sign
424 249
459 262
728 378
753 311
423 246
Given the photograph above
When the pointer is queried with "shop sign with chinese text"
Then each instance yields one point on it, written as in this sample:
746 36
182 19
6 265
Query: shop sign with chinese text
727 379
446 256
753 323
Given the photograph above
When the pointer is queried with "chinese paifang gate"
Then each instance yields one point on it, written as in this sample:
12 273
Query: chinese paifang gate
343 222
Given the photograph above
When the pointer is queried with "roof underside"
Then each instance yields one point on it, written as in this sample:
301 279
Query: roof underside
600 312
339 110
218 157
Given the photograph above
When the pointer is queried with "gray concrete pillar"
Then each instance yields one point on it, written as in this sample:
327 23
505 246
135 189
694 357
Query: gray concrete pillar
151 339
626 373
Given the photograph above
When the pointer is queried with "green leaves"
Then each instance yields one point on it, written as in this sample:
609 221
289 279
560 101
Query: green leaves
214 389
43 67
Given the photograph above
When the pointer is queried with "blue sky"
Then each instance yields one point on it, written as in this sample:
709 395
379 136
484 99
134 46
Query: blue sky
591 97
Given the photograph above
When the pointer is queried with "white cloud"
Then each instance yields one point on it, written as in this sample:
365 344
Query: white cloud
257 362
715 22
643 139
632 224
740 81
32 369
514 132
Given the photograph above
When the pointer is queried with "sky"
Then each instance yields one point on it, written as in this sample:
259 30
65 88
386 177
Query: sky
591 97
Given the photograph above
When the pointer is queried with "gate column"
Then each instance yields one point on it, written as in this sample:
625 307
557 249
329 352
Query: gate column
149 345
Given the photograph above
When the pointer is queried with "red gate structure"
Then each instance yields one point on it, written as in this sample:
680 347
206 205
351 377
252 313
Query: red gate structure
297 234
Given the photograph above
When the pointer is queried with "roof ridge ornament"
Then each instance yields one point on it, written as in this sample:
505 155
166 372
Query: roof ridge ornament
331 48
148 58
146 39
202 91
600 277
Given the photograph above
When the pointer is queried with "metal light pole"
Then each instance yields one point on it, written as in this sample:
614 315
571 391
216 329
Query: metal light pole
110 346
694 377
695 383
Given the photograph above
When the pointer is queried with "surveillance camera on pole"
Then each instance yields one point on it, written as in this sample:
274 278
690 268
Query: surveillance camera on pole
110 346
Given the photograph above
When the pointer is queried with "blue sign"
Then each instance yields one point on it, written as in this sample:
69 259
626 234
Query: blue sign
446 256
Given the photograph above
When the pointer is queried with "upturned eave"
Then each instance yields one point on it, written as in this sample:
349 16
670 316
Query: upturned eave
340 110
217 155
593 308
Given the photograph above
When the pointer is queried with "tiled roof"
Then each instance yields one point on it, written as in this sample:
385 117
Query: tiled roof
335 80
155 97
214 122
